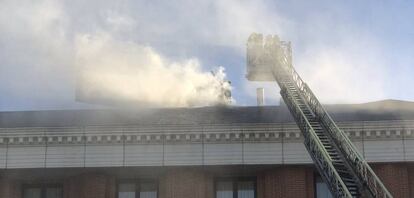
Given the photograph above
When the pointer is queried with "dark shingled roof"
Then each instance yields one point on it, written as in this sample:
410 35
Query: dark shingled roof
381 110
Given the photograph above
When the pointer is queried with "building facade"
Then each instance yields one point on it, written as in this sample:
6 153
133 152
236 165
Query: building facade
212 152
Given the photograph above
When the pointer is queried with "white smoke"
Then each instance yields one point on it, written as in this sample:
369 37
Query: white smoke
341 59
344 75
119 70
41 48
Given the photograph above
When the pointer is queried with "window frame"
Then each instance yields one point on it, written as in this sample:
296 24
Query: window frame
43 187
137 183
317 178
234 181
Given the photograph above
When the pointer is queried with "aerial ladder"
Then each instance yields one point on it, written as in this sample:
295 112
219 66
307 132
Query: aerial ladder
337 160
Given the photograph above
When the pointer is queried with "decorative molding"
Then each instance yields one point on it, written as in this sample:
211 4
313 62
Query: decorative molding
184 134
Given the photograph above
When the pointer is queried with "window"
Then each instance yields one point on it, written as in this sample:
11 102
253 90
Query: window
137 189
236 188
322 190
224 189
42 191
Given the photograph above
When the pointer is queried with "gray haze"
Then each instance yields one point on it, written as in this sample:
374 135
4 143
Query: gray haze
340 59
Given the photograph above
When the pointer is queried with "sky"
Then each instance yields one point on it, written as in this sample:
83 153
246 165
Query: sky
347 51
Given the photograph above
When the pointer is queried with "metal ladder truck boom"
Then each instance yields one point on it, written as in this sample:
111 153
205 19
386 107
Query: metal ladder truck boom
338 161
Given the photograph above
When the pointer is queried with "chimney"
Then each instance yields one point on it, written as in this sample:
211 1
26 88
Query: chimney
260 96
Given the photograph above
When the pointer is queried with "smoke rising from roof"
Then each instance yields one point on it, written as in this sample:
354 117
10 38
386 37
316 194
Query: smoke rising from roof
346 52
47 50
126 71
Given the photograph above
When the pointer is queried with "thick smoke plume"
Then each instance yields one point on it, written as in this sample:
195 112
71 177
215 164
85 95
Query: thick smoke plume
125 71
343 53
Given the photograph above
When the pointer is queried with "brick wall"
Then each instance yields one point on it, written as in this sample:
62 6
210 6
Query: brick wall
10 188
186 183
90 186
286 182
395 177
192 182
411 179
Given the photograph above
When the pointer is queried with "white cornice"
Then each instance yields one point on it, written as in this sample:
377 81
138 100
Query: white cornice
187 134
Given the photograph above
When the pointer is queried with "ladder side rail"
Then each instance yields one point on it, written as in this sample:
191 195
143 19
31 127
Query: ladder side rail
363 169
316 148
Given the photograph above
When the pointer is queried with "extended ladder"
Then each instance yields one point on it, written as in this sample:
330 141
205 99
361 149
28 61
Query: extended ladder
339 163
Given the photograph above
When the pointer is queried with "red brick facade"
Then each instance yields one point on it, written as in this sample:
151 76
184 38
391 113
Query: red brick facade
90 186
10 188
186 182
191 182
286 182
395 178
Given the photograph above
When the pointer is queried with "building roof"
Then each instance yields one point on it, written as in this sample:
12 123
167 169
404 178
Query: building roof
380 110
